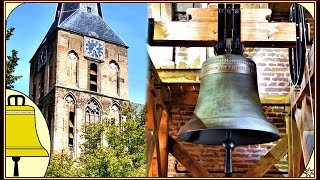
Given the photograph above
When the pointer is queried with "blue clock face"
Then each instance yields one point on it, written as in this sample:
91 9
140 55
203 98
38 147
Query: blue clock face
94 49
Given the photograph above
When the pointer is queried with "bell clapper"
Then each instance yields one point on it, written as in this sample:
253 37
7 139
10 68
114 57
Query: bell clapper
228 145
16 169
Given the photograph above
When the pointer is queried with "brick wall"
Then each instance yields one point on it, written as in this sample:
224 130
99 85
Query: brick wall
273 78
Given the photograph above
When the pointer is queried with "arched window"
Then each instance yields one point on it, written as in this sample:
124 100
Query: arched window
115 76
73 58
115 115
93 112
70 116
93 77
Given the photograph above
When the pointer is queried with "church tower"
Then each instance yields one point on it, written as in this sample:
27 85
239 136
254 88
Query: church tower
79 73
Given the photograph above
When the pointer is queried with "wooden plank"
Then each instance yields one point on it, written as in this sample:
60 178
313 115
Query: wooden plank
202 34
162 57
245 5
211 15
155 11
275 99
149 111
155 167
154 112
271 158
186 159
179 75
304 90
163 143
166 11
161 11
294 149
306 130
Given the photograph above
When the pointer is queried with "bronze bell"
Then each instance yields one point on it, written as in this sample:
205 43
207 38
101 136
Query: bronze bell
228 110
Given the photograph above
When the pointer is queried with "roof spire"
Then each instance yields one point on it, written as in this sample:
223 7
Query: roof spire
64 10
85 19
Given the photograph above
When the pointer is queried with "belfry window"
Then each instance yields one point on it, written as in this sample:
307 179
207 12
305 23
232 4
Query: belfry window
34 88
70 106
115 76
89 9
93 77
41 84
73 60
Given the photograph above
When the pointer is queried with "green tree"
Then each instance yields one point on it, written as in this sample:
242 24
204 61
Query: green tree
124 154
61 165
11 63
121 155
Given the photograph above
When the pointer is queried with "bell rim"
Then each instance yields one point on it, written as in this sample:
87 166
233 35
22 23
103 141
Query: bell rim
258 126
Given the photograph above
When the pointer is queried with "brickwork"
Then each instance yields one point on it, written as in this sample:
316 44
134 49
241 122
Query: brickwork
68 76
273 78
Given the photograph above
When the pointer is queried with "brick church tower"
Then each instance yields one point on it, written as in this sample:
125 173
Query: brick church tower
79 73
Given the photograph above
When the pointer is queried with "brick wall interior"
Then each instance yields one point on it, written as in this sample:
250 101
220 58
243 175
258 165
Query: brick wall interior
273 78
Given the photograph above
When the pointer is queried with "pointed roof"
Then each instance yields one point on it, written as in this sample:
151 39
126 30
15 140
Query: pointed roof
85 19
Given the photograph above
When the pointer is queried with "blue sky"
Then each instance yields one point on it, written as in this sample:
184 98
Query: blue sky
128 20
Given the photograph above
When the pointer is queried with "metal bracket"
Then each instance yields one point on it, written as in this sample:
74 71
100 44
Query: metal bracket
221 46
229 30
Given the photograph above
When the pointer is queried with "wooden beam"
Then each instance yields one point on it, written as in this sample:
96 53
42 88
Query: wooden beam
245 5
275 99
155 164
295 161
211 15
308 80
161 11
270 159
179 75
154 113
163 143
202 34
306 129
186 159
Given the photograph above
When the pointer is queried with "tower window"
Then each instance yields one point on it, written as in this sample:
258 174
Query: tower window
89 9
34 88
73 60
70 116
115 115
41 84
93 114
71 129
93 73
115 76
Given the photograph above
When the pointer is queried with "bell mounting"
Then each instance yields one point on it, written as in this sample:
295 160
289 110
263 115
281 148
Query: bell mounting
228 30
228 43
228 110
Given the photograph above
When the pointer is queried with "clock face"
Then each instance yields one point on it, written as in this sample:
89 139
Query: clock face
42 58
94 48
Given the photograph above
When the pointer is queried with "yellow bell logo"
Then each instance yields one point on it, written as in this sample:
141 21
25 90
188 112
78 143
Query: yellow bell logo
21 134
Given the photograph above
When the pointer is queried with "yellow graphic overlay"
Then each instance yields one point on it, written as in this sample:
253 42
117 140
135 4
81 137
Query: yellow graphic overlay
27 137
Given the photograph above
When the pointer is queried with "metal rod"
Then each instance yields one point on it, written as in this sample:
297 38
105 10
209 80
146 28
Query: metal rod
16 168
228 145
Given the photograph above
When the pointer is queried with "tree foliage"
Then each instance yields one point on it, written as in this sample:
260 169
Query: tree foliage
61 165
11 63
109 150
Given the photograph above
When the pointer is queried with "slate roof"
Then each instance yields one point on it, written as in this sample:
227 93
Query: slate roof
88 24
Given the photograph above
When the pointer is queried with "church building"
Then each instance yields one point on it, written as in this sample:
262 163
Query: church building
79 73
